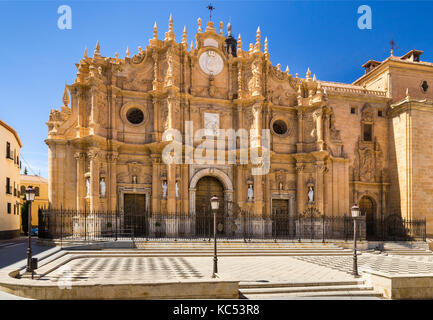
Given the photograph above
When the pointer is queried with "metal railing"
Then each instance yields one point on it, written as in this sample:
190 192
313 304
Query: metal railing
84 225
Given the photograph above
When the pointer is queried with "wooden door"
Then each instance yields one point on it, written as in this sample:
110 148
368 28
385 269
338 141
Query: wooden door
206 188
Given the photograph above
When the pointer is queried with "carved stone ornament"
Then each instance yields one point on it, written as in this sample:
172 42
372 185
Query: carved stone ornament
211 62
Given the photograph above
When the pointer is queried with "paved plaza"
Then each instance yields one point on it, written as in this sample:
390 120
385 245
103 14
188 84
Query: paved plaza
387 264
272 269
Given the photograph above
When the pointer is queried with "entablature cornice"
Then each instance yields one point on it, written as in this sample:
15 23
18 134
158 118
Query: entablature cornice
410 104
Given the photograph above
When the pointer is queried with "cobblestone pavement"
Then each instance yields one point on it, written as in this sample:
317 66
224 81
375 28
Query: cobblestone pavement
388 264
181 268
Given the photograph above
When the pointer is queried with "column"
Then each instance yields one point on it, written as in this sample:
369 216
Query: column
156 133
320 169
300 117
112 183
80 158
300 189
156 182
94 179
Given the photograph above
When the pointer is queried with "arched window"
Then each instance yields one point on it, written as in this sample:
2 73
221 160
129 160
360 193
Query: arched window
37 191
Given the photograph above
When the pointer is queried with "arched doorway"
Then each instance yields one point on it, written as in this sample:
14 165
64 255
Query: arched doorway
368 209
206 188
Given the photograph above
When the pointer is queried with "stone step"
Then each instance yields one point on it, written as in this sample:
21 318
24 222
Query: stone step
363 294
306 289
252 285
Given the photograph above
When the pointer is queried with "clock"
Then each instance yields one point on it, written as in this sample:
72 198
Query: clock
211 62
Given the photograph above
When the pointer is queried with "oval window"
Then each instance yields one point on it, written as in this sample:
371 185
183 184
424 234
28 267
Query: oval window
135 116
279 127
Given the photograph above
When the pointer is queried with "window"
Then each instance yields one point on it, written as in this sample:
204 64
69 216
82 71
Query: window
8 186
9 208
15 190
379 113
37 192
135 116
368 132
279 127
8 150
352 110
424 86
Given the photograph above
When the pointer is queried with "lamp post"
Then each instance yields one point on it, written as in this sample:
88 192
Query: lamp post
355 214
214 203
30 196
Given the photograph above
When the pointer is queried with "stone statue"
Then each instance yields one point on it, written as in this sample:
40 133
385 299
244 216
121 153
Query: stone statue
310 194
88 187
164 189
250 192
102 187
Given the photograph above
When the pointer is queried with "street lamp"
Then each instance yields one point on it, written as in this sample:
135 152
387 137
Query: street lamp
355 214
30 196
214 203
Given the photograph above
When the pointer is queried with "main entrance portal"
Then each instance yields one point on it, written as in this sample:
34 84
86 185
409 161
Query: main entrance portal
206 188
367 207
135 213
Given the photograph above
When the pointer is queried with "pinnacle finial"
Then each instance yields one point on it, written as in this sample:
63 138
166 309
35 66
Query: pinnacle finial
66 95
314 77
184 36
287 69
127 52
221 27
117 57
258 37
140 49
229 29
199 25
86 55
155 31
97 49
192 46
251 47
308 73
170 23
170 35
266 48
239 41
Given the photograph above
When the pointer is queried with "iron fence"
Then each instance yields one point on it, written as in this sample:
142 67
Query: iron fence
309 226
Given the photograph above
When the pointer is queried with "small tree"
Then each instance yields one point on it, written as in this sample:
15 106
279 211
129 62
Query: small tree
24 216
25 171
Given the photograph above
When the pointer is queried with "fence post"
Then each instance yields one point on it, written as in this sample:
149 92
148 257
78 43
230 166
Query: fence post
85 224
116 220
61 226
323 229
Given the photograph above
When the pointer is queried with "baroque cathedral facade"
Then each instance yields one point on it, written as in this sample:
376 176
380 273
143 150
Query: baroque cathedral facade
331 144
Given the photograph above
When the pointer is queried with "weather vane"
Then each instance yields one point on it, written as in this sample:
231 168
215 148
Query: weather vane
393 45
210 7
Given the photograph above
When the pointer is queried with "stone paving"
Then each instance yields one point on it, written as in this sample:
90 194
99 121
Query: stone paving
269 269
388 264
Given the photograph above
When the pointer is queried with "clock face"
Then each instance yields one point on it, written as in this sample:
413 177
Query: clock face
211 62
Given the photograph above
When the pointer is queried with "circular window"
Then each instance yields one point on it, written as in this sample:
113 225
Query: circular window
135 116
279 127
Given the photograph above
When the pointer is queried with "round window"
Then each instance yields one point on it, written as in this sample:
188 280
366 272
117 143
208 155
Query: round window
279 127
135 116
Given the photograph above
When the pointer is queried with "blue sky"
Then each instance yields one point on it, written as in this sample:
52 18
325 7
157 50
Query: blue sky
37 58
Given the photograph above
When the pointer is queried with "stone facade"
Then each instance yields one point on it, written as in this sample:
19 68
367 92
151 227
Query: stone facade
40 185
346 142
